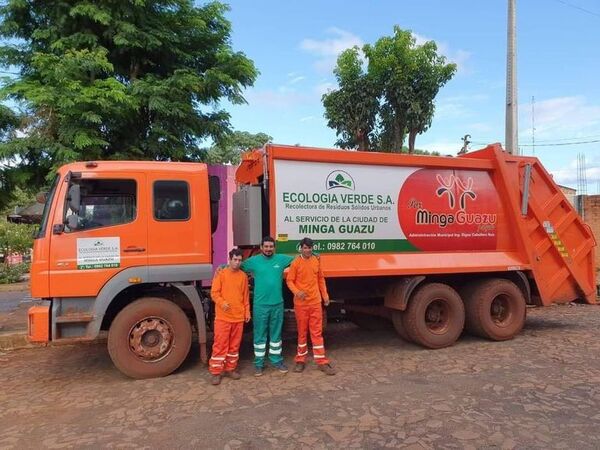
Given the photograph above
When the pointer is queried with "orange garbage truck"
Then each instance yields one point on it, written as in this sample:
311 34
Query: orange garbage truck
437 245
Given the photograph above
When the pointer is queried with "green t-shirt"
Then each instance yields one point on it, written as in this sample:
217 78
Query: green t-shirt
268 277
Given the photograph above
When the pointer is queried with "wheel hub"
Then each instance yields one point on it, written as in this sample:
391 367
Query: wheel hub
151 339
500 309
437 316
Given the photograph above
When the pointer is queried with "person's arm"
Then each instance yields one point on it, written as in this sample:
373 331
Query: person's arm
286 259
290 280
246 298
322 285
247 265
216 292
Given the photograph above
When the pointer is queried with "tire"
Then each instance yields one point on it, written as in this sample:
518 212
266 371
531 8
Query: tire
397 321
368 321
435 316
149 338
495 309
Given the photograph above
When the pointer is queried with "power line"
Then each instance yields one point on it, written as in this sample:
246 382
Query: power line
555 144
578 7
577 138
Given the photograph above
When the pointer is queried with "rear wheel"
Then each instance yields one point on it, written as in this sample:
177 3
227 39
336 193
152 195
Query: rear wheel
435 316
149 338
495 309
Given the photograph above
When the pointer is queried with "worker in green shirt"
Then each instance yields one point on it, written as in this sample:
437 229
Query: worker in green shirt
267 306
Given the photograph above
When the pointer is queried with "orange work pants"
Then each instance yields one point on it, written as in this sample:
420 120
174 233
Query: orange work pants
310 318
226 347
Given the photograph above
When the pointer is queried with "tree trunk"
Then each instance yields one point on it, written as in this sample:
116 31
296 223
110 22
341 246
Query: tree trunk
412 136
398 136
362 140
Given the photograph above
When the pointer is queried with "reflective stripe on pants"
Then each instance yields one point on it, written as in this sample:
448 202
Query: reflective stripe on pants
226 346
309 318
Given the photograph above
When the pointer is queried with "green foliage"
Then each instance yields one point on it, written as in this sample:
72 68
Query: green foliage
15 238
110 79
376 109
352 109
13 273
18 197
231 147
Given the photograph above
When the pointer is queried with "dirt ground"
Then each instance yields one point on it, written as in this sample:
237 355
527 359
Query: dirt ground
540 390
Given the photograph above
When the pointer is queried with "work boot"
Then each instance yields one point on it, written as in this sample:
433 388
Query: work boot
233 374
299 367
215 379
258 371
327 369
281 367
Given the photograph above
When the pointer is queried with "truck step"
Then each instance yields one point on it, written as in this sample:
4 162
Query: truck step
75 318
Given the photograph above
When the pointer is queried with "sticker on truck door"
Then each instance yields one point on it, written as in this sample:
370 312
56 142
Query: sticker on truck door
352 208
98 253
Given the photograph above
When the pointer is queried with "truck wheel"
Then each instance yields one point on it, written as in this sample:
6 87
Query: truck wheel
495 309
397 320
435 316
149 338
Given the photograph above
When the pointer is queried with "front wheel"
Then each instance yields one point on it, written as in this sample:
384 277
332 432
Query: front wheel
149 338
435 316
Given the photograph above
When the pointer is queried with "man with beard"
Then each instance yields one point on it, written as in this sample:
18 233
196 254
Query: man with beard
267 307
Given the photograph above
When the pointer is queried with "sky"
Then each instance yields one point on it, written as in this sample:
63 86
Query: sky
294 44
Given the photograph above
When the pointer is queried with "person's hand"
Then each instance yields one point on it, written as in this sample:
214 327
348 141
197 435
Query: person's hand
247 317
326 301
225 306
301 295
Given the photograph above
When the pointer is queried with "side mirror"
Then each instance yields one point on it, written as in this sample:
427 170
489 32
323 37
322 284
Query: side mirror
74 198
41 197
72 221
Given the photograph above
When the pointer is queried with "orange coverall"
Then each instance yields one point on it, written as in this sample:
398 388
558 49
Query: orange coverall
229 287
305 275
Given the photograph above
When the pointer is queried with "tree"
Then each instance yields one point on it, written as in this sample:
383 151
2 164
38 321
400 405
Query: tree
430 73
113 79
15 238
352 109
230 149
401 82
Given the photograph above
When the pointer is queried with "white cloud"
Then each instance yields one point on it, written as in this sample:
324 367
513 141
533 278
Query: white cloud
561 117
567 176
327 50
297 79
307 118
458 57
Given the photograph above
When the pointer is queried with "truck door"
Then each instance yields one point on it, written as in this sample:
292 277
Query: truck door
179 227
100 231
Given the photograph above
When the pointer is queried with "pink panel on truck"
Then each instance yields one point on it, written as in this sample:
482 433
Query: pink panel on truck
223 237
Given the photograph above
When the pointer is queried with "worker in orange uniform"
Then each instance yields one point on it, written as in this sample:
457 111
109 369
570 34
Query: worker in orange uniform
306 281
232 308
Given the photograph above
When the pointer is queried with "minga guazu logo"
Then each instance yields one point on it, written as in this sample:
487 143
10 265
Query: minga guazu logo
338 179
457 191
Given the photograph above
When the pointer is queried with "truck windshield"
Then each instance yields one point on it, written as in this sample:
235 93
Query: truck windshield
47 205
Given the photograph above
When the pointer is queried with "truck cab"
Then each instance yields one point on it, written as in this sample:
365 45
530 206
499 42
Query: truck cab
120 234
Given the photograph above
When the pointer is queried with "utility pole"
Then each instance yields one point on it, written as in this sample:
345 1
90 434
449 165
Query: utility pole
511 140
